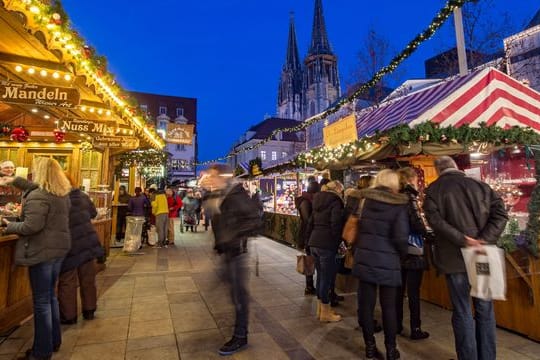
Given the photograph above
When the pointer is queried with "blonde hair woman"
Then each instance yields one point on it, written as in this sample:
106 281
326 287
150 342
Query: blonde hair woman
381 241
44 240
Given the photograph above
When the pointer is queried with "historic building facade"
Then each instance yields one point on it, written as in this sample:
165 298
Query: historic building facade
306 89
162 110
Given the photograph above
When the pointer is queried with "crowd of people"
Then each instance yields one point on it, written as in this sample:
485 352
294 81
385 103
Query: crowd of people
59 245
389 251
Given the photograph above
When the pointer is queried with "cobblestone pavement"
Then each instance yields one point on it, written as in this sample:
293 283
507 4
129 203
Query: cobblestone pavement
171 304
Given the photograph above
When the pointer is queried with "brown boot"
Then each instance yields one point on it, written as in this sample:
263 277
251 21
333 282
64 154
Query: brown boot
328 315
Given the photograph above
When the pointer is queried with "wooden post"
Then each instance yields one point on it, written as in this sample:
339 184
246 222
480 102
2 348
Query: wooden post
105 166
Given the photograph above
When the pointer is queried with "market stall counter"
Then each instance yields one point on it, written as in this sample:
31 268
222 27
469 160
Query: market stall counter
15 293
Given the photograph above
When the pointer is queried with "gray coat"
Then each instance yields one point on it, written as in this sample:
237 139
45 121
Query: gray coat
43 228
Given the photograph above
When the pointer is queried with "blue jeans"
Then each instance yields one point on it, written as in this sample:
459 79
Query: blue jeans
326 266
474 337
47 334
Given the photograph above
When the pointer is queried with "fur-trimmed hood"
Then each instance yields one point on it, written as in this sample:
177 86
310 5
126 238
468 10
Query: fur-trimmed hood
379 194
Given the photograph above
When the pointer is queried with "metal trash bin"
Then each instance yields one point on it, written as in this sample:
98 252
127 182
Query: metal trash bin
132 239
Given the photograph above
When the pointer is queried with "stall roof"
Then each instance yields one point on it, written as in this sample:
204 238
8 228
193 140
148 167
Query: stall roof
486 95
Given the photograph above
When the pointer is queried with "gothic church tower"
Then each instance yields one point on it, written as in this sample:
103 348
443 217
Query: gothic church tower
290 85
321 78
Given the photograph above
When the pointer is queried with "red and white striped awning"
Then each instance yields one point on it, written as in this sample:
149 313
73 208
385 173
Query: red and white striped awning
486 95
491 97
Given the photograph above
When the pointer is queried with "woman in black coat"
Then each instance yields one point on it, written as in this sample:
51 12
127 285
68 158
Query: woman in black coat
380 244
79 265
414 264
325 228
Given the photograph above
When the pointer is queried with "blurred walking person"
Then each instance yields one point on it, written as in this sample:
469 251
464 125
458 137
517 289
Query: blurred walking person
175 204
234 218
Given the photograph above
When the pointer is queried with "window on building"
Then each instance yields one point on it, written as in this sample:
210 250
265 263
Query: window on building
144 108
179 111
283 154
180 147
263 155
274 155
162 110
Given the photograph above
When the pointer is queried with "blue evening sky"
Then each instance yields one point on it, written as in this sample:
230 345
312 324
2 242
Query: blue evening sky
228 53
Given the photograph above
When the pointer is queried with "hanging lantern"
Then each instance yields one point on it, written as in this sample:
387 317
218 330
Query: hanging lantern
19 134
59 135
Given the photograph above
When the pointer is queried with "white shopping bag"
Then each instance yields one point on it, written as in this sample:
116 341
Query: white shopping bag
486 272
152 236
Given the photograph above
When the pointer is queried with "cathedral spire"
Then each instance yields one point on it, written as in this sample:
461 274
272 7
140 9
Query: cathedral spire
293 59
319 38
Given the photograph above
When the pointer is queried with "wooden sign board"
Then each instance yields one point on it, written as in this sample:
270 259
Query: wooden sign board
179 134
88 126
116 142
39 95
341 132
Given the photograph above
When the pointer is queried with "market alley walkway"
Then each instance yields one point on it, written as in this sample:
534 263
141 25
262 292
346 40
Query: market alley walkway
170 304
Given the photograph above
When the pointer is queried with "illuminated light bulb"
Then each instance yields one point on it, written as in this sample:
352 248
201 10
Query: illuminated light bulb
55 75
31 71
34 110
48 117
67 77
18 68
108 112
43 73
100 111
34 9
92 110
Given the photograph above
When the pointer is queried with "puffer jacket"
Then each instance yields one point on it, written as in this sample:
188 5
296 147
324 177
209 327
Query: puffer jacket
382 237
455 206
326 222
43 228
85 244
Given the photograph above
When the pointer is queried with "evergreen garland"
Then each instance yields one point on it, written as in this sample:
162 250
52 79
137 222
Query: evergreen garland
532 232
142 159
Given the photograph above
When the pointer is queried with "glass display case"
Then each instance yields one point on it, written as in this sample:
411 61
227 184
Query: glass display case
102 199
268 187
287 190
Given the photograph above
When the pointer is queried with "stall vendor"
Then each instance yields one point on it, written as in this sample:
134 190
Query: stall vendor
8 194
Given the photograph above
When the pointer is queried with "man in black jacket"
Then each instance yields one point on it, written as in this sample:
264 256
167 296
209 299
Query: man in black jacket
464 212
235 217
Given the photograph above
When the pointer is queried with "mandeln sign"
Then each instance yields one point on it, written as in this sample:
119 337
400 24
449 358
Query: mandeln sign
40 95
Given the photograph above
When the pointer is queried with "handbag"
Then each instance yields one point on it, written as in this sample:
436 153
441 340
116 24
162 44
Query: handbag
305 264
350 230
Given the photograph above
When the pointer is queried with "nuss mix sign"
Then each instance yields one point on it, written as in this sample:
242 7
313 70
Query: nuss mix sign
40 95
88 126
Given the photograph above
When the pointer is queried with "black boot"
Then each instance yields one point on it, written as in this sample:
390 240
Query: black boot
88 314
234 345
372 352
310 288
392 353
418 334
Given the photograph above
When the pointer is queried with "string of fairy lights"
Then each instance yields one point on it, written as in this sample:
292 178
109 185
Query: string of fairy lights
439 19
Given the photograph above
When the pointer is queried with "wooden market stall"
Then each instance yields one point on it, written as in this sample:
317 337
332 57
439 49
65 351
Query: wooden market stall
490 123
58 100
